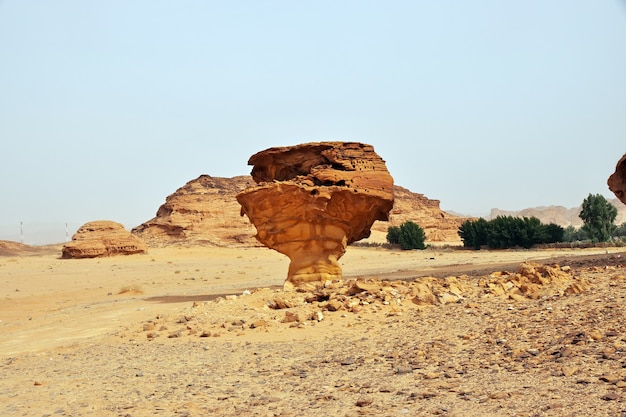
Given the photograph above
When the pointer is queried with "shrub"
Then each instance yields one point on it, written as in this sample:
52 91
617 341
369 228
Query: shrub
409 236
393 235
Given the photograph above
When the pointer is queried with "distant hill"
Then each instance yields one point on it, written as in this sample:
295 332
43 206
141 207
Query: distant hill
558 214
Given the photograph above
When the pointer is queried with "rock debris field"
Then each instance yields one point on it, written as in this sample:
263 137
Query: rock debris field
525 333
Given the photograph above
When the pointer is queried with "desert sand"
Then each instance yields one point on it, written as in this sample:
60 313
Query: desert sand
195 331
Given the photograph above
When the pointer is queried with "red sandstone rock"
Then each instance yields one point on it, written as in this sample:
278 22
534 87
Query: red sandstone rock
617 180
314 199
102 238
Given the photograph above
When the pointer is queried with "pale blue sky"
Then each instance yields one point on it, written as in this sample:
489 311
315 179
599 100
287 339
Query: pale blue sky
108 107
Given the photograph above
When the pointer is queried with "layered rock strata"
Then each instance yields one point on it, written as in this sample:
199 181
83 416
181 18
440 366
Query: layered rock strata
202 212
314 199
102 238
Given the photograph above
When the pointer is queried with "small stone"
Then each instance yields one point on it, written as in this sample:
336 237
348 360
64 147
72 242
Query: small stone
403 370
291 317
334 305
148 327
364 402
611 379
595 335
258 323
152 335
317 316
37 383
610 396
431 375
569 370
348 361
499 395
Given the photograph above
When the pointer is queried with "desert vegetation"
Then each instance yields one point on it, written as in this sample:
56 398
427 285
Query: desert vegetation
597 214
409 235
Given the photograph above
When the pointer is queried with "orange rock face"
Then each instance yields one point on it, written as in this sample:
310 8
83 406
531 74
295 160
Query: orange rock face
202 212
102 238
314 199
617 181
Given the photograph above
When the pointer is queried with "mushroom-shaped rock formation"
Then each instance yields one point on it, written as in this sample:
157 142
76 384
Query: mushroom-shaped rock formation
314 199
617 180
102 238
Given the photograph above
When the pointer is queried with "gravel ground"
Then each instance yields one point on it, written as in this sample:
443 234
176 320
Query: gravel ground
476 347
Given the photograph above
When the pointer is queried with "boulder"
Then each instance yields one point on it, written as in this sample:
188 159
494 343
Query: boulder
102 238
313 199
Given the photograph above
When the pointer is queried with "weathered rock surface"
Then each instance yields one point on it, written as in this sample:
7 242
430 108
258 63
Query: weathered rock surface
314 199
617 180
102 238
203 211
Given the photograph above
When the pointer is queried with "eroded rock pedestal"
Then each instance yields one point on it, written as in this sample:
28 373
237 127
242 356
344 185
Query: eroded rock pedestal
617 180
314 199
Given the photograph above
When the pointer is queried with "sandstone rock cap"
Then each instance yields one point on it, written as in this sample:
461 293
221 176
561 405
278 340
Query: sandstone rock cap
102 238
314 199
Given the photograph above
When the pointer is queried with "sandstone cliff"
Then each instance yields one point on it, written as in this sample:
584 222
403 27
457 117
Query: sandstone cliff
203 211
438 225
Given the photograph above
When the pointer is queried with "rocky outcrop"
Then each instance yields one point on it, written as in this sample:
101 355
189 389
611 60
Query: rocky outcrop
617 180
102 238
438 225
203 211
314 199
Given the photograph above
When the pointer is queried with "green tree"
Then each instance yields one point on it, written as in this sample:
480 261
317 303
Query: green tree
411 236
393 235
554 233
620 231
572 234
598 216
473 233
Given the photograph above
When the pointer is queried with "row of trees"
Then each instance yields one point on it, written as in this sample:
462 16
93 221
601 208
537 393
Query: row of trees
508 232
597 214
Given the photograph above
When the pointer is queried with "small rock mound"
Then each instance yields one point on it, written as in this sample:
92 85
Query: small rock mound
102 238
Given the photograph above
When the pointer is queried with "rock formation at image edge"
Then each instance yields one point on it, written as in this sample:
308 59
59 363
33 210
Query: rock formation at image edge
102 238
617 180
314 199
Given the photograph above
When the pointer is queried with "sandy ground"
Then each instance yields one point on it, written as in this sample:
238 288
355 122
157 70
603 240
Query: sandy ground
188 331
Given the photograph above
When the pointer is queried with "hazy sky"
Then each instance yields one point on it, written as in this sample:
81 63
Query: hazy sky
108 107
